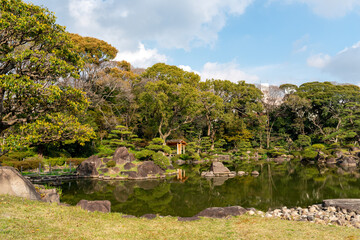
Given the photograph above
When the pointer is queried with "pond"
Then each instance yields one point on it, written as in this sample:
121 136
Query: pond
290 184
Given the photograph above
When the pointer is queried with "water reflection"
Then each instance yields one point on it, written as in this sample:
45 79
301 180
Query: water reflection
278 185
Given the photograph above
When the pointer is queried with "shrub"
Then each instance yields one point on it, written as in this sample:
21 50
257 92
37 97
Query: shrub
111 163
161 160
75 161
29 163
6 159
318 147
309 154
184 157
56 161
105 151
20 155
144 154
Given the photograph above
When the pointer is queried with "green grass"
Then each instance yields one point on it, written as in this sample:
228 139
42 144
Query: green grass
24 219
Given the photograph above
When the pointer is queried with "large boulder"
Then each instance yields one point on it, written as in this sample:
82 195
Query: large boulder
129 166
218 167
48 195
149 167
222 212
92 206
122 156
89 166
13 183
348 161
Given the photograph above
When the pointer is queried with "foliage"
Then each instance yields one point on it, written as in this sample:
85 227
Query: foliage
111 163
144 154
59 161
29 163
35 52
161 160
104 151
157 144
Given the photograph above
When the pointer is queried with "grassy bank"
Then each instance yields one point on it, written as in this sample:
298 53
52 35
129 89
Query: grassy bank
23 219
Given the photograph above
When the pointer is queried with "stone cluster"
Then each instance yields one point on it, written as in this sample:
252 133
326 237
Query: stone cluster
219 170
329 215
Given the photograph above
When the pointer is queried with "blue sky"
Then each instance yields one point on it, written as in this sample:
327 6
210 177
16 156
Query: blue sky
259 41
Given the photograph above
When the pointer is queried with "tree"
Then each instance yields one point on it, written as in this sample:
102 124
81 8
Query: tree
213 110
330 104
170 99
35 53
243 109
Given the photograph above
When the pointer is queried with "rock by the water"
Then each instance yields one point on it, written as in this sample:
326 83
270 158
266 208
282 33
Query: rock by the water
89 166
48 195
131 174
129 166
149 167
279 159
115 170
222 212
331 161
149 216
255 173
348 161
92 206
13 183
188 219
349 204
218 167
104 170
180 162
122 156
241 173
209 174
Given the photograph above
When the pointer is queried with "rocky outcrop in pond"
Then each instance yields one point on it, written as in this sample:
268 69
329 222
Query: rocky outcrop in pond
89 167
125 168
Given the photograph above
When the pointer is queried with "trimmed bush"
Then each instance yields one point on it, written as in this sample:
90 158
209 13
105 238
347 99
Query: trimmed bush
309 154
6 159
56 161
161 160
105 151
144 154
75 161
20 155
110 164
29 163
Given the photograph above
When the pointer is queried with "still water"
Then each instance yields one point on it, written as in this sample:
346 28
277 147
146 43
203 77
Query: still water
290 184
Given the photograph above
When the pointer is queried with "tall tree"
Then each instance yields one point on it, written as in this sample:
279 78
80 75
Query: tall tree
34 53
170 99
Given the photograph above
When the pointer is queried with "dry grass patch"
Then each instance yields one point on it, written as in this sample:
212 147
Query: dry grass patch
23 219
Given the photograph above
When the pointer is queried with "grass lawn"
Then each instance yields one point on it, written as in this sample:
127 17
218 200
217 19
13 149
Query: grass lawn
24 219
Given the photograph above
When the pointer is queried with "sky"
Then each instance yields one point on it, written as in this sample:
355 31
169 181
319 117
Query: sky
259 41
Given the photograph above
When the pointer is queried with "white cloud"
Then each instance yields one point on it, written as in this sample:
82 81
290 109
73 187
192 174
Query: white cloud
226 71
318 60
300 45
328 8
142 57
344 65
162 23
171 24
